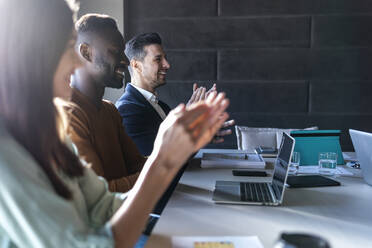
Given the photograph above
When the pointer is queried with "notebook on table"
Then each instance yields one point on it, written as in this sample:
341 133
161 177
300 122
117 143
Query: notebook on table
241 160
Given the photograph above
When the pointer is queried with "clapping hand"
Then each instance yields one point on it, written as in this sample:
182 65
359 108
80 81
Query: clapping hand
187 129
200 93
218 138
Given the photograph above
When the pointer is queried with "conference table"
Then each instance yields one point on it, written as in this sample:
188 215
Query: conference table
342 214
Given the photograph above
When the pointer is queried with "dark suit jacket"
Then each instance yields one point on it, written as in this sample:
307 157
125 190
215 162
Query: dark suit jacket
140 119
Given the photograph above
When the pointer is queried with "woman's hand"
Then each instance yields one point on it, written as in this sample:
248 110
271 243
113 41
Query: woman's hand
187 129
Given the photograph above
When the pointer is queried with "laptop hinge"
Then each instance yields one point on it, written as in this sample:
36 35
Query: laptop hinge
273 197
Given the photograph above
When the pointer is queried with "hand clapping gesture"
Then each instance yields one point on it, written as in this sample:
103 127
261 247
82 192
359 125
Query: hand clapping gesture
200 94
187 129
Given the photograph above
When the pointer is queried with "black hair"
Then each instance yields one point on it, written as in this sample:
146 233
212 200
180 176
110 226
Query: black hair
134 47
95 23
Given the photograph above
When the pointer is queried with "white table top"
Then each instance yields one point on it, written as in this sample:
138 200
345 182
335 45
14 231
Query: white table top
342 215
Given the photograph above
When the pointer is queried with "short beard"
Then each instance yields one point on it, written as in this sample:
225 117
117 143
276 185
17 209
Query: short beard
108 78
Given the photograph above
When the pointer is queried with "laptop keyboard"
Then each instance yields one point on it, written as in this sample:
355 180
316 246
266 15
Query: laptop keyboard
255 192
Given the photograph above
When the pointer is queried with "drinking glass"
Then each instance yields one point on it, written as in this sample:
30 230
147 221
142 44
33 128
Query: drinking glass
327 163
295 163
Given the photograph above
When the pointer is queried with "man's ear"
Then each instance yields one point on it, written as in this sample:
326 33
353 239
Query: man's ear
85 51
136 65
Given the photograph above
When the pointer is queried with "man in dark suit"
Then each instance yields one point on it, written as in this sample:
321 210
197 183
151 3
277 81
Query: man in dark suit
140 118
139 106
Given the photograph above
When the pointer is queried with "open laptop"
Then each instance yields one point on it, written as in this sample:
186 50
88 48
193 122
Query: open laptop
233 192
362 143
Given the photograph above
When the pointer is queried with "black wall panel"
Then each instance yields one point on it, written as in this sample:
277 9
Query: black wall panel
340 63
342 31
227 32
341 97
141 9
254 97
192 65
263 64
290 7
282 63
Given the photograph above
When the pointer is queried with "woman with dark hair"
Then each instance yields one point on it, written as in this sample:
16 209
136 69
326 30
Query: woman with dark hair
47 197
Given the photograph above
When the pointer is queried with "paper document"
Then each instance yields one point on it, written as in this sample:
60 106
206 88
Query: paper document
310 169
216 242
349 156
232 160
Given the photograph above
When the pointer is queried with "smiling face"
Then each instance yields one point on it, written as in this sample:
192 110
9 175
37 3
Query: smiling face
154 66
108 62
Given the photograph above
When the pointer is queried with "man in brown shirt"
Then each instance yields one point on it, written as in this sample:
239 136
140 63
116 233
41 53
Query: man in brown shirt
93 124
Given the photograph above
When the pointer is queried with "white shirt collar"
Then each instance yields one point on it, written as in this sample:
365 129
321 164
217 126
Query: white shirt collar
147 94
153 100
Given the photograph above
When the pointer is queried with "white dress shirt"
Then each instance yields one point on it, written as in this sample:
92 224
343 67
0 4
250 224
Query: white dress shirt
152 99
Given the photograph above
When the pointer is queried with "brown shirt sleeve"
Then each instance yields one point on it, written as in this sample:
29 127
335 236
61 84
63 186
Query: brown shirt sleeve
79 132
133 158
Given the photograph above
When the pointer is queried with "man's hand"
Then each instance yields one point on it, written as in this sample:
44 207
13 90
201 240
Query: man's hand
218 138
212 89
187 129
200 93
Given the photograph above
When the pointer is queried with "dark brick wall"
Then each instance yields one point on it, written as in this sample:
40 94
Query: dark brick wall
282 63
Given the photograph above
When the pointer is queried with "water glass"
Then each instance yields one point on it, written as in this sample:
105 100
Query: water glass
295 163
327 163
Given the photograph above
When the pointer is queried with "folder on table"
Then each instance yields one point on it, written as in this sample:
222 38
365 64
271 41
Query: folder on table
309 143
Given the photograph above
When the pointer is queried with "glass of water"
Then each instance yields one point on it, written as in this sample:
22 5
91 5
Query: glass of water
327 163
295 163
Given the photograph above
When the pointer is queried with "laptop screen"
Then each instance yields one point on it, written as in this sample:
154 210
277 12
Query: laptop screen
281 165
362 142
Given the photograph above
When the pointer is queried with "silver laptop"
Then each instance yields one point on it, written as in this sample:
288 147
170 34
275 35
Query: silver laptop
362 143
233 192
